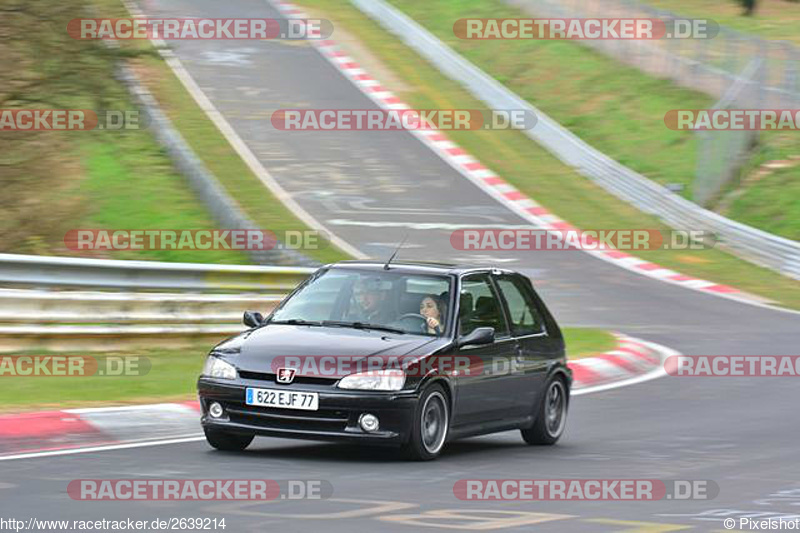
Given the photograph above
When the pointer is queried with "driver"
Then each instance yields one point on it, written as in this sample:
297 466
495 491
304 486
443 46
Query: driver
370 302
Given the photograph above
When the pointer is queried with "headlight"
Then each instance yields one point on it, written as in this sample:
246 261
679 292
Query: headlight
376 380
217 368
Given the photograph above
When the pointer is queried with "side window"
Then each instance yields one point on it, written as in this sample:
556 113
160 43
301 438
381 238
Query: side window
480 306
525 319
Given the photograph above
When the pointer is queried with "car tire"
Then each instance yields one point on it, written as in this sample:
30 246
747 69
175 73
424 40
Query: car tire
551 414
430 425
227 442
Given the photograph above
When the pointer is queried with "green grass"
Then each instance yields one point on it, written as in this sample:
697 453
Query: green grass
529 167
769 202
772 201
585 342
773 19
58 181
615 108
173 377
55 182
130 184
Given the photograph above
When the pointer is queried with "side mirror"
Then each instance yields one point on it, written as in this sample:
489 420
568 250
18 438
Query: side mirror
252 319
477 337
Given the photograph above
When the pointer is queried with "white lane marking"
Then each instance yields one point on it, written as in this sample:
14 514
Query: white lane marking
237 143
161 407
123 446
227 58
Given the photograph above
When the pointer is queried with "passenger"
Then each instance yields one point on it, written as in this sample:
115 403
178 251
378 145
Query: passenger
432 308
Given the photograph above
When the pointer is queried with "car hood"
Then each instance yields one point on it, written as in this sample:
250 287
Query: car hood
259 348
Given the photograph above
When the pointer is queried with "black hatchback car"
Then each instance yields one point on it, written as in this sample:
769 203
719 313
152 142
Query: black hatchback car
411 355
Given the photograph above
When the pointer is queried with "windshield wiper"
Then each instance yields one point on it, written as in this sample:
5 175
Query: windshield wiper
363 325
297 322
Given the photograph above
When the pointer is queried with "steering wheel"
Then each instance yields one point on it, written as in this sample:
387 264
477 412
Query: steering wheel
422 319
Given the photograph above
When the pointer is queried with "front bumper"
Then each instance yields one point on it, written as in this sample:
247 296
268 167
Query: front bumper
336 419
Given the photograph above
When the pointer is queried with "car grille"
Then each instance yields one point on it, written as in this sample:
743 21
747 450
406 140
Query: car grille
302 380
322 420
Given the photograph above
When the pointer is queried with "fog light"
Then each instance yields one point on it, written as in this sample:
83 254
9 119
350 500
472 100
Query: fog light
369 423
215 410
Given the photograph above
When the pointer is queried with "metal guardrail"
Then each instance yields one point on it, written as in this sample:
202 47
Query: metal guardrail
49 308
763 248
69 272
34 306
111 338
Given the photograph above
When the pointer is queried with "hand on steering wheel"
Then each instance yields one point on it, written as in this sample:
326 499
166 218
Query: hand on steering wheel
426 321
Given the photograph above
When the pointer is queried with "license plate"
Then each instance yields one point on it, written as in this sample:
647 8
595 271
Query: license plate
283 399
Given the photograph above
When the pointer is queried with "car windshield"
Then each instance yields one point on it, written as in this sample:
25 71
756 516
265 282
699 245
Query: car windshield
381 300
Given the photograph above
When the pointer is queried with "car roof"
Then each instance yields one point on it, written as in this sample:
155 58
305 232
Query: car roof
415 266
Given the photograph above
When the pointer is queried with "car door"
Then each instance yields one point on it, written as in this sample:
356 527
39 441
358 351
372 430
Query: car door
535 348
484 397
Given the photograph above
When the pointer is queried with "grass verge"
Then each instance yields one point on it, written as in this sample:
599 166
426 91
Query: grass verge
129 183
528 166
586 342
56 181
613 107
773 201
172 377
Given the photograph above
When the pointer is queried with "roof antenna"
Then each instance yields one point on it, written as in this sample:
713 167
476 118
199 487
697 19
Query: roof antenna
386 266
